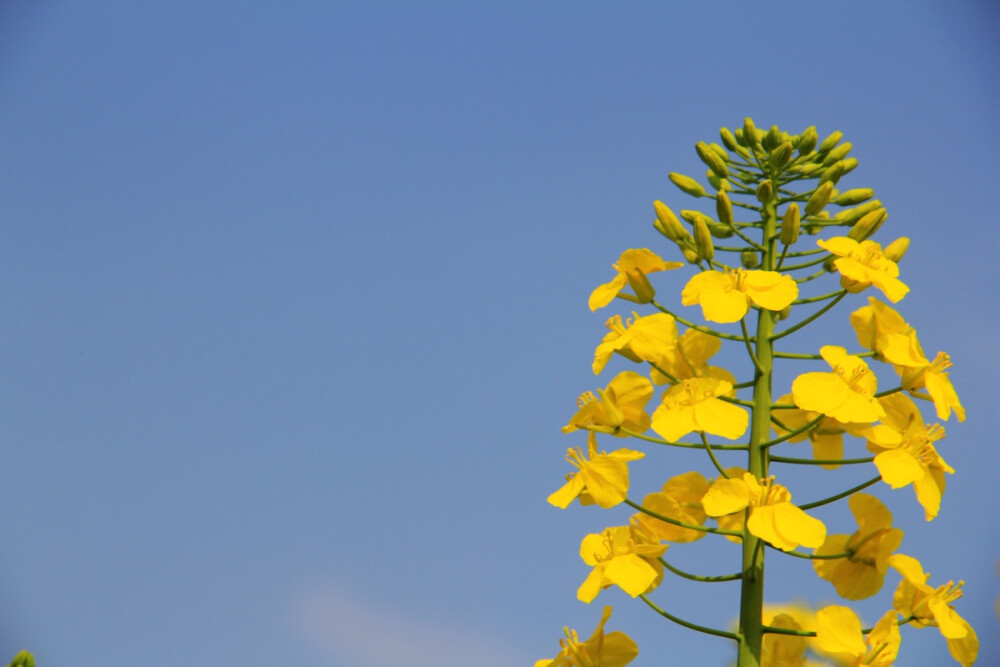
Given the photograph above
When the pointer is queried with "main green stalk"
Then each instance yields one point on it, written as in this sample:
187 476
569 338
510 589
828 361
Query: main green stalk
751 628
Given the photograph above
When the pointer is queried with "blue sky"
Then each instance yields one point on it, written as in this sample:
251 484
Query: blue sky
293 305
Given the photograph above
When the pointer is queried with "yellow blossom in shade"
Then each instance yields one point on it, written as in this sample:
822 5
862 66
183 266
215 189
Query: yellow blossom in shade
680 499
932 607
861 574
727 296
642 339
884 331
863 264
621 404
614 649
632 260
773 517
847 394
603 477
905 454
623 555
933 376
689 359
694 405
826 437
778 650
838 633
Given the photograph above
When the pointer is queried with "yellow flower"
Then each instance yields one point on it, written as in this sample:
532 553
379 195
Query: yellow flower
680 499
882 329
642 339
838 633
778 650
827 437
861 574
863 264
615 649
602 478
693 405
905 454
623 555
726 297
847 394
632 260
622 403
689 359
932 607
773 517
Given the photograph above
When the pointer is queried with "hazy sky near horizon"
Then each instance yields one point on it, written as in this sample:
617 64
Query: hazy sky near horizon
293 304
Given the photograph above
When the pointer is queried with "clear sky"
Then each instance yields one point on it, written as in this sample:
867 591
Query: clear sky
293 303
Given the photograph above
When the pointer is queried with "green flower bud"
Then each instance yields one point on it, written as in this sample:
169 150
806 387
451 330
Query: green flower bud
895 250
810 168
764 191
728 139
637 280
712 159
713 180
790 225
750 139
832 174
855 196
720 231
828 264
851 215
780 155
819 199
703 238
670 226
838 153
830 142
772 139
750 259
720 151
868 225
690 215
723 208
807 141
849 164
784 313
23 659
690 255
687 184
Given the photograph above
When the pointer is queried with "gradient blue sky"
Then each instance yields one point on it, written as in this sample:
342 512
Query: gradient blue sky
293 305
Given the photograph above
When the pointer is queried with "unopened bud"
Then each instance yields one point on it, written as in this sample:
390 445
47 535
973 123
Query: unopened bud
819 199
750 259
703 238
764 191
832 173
713 180
810 168
690 215
772 139
728 139
670 226
790 225
828 263
687 184
895 250
637 280
838 153
749 133
807 141
690 255
720 151
851 215
830 142
779 157
720 231
855 196
723 208
868 225
849 164
23 659
712 159
784 313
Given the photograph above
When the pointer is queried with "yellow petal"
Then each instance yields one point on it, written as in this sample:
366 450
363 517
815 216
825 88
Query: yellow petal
819 392
898 468
770 289
569 491
605 294
591 586
631 572
725 497
838 630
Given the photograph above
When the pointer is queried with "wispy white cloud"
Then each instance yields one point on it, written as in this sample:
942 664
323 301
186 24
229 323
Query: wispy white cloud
366 633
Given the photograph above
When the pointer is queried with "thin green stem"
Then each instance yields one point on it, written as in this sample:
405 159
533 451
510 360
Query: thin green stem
689 624
697 577
711 455
820 462
798 355
682 524
799 554
814 299
792 434
746 339
692 325
809 633
887 392
844 494
811 318
661 441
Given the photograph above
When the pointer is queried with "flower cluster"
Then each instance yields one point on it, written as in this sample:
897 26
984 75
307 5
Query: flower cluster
673 398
